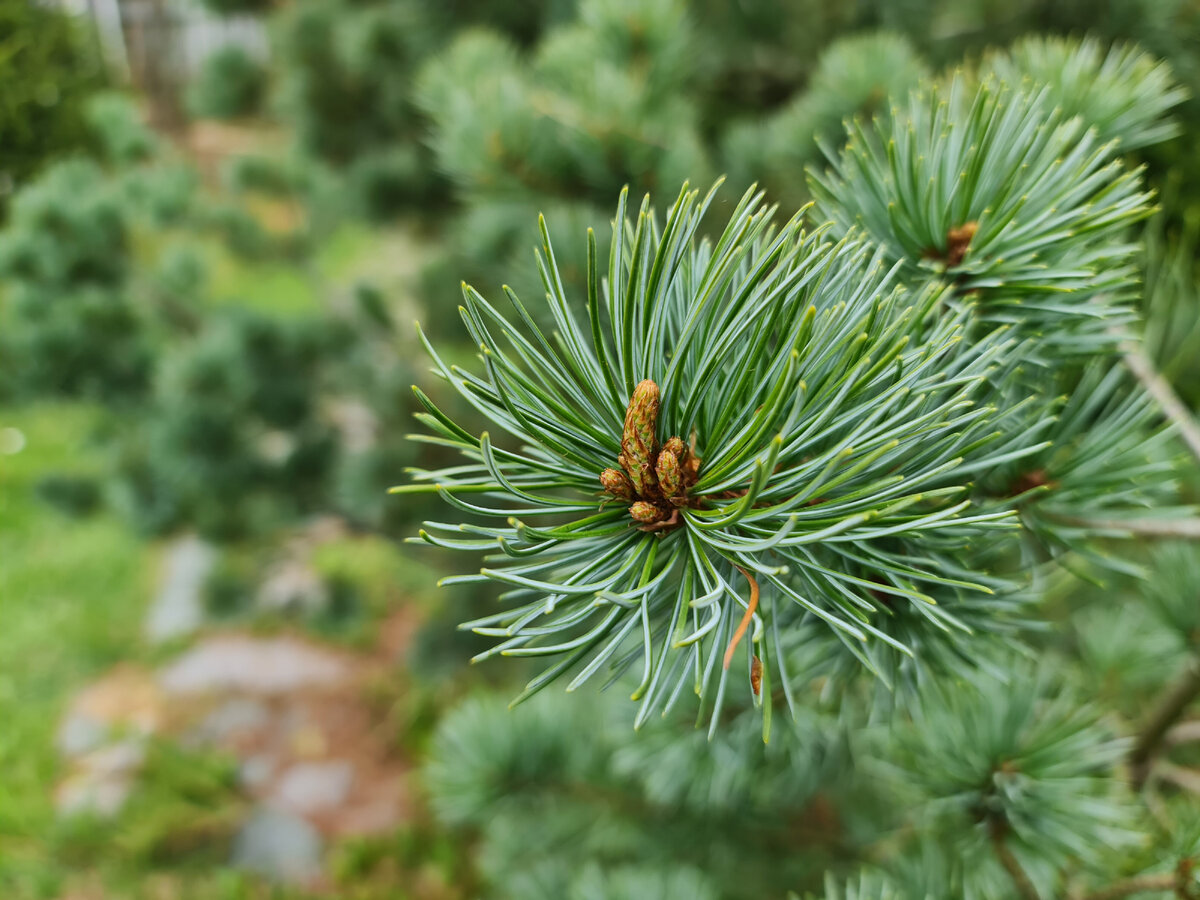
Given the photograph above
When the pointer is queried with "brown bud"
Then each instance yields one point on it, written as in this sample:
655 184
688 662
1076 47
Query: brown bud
958 241
617 483
676 445
670 477
638 442
756 675
646 513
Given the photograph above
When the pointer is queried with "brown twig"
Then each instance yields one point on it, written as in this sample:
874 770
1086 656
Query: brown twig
1172 706
1141 885
1181 777
1020 880
1183 733
1162 392
745 623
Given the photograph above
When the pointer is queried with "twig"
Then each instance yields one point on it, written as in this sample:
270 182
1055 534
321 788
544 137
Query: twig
1160 389
1177 699
1141 885
1188 779
1184 733
1168 528
1020 880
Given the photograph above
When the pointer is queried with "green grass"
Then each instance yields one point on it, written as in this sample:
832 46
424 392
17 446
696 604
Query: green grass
283 287
72 594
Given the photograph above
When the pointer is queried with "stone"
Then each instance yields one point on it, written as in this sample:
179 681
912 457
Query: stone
256 771
253 665
279 846
79 734
236 717
313 787
125 700
86 794
102 780
357 424
293 587
178 608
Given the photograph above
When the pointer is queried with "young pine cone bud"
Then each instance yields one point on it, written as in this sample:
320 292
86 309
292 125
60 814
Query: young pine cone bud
617 483
638 443
646 513
641 416
670 477
676 446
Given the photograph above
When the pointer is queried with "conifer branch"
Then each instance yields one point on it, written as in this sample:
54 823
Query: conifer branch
1160 389
1012 866
1172 706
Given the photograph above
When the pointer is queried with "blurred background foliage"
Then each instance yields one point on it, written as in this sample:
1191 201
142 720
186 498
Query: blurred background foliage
206 330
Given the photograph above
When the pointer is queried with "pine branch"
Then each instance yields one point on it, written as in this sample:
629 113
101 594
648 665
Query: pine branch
1185 690
764 421
1141 885
1160 389
1021 882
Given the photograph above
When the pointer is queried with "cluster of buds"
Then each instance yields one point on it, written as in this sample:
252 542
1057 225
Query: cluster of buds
654 480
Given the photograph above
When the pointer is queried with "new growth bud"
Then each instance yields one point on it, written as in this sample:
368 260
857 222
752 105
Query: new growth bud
638 442
655 481
618 484
670 477
646 513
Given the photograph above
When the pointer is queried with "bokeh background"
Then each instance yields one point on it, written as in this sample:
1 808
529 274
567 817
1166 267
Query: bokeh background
223 673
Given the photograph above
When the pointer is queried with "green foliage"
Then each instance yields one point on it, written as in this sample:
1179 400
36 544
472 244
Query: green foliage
48 71
1172 592
818 444
84 314
1124 94
259 419
912 424
185 807
52 642
854 77
1023 762
231 83
346 70
522 133
1106 457
238 7
621 816
72 495
346 73
756 55
120 131
991 189
868 885
75 330
824 396
1171 308
229 440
